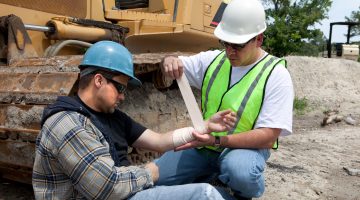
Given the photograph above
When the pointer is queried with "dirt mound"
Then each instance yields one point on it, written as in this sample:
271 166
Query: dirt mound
310 163
327 83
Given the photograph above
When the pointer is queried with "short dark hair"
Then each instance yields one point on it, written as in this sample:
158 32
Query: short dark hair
85 80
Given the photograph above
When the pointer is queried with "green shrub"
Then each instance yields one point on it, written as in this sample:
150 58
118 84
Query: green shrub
300 105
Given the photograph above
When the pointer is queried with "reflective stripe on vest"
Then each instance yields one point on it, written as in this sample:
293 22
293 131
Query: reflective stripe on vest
245 97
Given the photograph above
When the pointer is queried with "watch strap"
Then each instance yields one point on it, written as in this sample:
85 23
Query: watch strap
217 141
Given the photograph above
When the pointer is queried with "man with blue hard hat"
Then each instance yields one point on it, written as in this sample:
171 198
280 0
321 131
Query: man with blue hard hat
81 151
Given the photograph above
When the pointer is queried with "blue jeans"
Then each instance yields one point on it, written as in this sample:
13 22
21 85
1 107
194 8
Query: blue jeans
240 169
196 191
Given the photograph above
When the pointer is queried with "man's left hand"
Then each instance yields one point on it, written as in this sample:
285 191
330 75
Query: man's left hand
221 121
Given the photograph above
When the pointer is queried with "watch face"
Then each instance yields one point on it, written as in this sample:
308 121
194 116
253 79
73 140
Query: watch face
217 141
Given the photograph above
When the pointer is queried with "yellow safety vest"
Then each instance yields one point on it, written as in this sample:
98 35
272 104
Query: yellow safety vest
245 97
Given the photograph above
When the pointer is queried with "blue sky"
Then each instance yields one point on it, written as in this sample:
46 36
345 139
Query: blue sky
339 9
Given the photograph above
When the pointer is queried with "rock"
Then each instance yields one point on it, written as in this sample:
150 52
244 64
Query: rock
331 118
350 120
352 171
328 120
338 118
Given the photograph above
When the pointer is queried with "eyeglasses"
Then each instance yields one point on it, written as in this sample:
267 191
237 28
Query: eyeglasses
236 47
119 86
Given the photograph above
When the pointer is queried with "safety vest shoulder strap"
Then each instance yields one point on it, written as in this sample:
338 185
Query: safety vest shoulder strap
219 70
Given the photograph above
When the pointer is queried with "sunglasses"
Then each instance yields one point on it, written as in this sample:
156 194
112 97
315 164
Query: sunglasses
119 87
236 47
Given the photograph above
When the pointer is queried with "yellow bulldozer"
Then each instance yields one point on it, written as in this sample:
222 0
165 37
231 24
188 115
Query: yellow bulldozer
42 42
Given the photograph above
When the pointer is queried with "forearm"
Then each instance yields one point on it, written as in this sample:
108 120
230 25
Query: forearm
254 139
162 142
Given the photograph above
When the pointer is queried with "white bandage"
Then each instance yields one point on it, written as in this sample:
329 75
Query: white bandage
182 136
201 129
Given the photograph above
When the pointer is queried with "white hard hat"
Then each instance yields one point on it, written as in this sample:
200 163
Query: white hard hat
241 21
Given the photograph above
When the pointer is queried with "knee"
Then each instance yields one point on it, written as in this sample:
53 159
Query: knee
245 178
206 191
247 183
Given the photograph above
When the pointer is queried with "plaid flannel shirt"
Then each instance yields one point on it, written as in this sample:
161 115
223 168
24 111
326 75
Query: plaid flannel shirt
72 161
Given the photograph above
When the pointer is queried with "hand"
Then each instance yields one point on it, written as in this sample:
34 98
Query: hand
172 67
221 121
200 140
154 171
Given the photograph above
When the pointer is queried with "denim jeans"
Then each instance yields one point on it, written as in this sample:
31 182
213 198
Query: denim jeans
240 169
196 191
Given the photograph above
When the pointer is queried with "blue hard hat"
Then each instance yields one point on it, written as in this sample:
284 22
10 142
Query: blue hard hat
110 56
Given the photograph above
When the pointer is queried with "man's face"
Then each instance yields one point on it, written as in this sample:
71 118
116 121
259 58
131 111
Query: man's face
111 92
242 56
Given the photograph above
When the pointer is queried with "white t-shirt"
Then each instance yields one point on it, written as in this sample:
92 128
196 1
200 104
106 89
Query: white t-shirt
276 111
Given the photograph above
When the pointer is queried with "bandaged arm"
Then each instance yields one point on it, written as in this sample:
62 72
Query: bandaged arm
182 136
164 142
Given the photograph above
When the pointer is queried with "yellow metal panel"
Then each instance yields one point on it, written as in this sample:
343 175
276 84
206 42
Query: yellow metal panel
185 11
210 7
197 15
168 6
60 7
97 8
188 40
209 30
209 10
156 6
133 15
155 23
207 21
150 27
132 25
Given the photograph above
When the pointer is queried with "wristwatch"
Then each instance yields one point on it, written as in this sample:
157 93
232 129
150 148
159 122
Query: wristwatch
217 141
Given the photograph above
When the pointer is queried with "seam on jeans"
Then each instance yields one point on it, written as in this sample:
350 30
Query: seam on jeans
256 158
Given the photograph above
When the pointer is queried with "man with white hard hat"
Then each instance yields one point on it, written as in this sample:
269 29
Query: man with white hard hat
249 81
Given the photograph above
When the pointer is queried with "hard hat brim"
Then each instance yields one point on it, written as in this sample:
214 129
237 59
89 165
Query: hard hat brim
235 38
134 81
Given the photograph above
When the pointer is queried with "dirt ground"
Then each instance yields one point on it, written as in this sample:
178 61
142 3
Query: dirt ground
312 163
315 162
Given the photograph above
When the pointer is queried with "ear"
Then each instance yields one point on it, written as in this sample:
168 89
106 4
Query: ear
98 80
259 40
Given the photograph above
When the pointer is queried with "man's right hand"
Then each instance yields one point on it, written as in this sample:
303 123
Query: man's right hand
172 67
